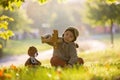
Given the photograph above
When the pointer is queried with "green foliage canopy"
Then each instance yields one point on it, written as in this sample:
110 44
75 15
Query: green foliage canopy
103 12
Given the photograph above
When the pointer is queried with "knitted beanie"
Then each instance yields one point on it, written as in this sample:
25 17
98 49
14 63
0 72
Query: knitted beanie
74 31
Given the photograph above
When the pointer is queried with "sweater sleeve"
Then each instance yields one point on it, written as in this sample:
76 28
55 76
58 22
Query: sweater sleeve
73 55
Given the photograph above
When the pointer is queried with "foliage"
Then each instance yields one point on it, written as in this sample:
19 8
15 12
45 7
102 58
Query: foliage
105 13
21 21
102 12
42 1
0 46
5 33
11 4
5 20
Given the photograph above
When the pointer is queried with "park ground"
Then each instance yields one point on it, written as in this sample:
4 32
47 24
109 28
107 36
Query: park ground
85 45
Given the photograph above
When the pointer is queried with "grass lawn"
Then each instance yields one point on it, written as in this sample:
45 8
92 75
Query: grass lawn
21 46
105 67
99 65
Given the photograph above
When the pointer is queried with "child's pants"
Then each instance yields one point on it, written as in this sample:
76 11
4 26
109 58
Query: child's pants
56 61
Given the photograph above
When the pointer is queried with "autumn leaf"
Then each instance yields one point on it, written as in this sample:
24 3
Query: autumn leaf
0 45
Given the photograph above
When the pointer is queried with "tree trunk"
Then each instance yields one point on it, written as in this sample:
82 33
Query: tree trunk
1 52
112 33
1 49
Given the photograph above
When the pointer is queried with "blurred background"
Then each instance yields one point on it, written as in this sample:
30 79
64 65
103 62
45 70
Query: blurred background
97 22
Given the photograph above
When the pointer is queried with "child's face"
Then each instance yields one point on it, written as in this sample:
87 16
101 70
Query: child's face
68 36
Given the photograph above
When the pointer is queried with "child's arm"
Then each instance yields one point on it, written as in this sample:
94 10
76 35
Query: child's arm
73 55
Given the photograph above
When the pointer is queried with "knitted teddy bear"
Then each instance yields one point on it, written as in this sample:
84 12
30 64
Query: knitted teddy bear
32 61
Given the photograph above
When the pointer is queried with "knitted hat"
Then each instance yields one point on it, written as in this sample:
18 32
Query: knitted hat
74 31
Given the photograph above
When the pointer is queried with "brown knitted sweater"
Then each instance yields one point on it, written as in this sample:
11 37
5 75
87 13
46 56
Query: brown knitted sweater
66 51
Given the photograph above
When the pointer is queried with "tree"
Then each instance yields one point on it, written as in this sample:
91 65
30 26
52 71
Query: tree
104 12
21 21
5 33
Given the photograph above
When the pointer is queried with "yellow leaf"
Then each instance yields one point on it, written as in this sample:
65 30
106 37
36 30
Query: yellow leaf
13 67
19 3
62 1
6 34
0 45
8 76
10 33
4 25
43 1
1 73
3 17
111 1
11 19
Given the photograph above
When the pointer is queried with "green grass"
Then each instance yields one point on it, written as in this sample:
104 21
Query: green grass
21 46
88 72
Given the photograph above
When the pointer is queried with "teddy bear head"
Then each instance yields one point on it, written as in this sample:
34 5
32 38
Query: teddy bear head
32 51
